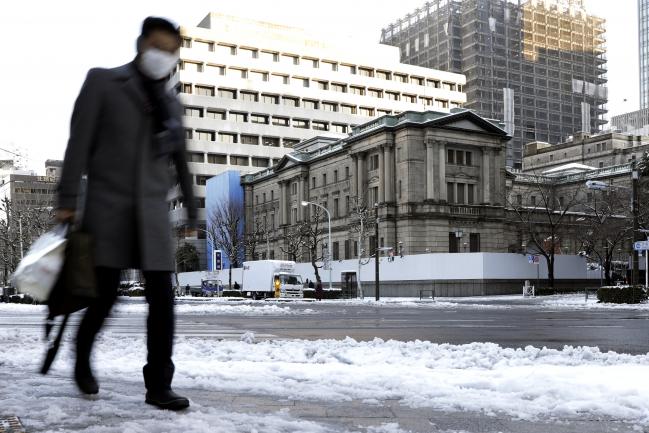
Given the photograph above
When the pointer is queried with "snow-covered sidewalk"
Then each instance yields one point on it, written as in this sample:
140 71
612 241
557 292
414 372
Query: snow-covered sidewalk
529 384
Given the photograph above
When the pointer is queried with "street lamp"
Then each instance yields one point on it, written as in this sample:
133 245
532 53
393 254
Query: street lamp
376 257
306 203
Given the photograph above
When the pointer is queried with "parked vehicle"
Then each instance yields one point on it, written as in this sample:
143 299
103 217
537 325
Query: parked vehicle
271 279
211 287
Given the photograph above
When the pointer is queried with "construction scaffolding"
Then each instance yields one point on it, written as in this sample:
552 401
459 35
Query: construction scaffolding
538 65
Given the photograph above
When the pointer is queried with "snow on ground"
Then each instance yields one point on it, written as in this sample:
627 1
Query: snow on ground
529 383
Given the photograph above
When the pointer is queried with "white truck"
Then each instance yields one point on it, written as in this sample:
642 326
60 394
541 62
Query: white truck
271 279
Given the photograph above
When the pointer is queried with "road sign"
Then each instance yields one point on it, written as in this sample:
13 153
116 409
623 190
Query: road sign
532 259
641 245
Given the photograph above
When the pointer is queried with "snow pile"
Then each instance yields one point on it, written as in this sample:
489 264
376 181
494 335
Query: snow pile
528 383
216 309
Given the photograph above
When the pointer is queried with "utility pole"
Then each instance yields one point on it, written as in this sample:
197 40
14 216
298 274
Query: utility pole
635 209
376 257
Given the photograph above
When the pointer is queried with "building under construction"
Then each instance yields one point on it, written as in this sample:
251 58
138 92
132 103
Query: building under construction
538 65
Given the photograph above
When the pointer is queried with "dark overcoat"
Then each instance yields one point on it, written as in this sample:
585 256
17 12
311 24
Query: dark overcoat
129 171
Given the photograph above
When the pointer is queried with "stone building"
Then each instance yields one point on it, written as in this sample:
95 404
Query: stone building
438 181
594 150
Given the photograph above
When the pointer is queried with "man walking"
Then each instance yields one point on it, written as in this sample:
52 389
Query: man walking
126 129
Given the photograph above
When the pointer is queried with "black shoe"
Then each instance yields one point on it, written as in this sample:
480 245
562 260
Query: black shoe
166 399
86 381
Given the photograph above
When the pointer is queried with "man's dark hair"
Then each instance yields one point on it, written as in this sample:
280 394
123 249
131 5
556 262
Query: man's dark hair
152 24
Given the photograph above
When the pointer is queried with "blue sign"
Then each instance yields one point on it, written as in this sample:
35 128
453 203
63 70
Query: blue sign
641 245
218 261
532 259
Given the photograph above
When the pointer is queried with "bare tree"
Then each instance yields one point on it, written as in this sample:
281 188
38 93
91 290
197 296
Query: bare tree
293 242
546 221
606 226
187 258
312 233
254 238
360 227
225 230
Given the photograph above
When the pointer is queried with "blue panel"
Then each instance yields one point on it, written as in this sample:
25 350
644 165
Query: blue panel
222 188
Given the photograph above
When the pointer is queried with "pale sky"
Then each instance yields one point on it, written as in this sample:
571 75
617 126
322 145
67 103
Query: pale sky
48 46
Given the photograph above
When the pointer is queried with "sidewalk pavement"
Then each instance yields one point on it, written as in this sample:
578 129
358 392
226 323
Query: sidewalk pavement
120 407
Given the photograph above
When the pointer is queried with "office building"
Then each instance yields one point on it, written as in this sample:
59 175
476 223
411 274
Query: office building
643 45
538 65
252 90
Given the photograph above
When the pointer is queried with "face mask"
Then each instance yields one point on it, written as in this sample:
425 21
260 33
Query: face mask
157 64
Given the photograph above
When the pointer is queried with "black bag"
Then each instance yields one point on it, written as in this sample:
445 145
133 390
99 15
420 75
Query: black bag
74 290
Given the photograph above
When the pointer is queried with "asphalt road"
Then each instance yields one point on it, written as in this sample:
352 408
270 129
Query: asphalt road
622 331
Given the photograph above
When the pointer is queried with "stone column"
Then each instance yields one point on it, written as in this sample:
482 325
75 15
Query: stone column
354 180
300 197
389 173
362 175
381 174
283 202
430 169
498 165
442 171
486 178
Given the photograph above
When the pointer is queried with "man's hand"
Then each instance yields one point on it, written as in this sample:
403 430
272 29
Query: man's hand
65 215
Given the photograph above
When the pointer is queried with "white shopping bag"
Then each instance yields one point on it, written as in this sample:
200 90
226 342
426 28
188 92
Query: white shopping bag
37 272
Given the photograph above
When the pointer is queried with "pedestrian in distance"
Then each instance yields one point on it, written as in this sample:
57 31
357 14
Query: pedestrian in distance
311 286
318 291
126 129
236 286
187 290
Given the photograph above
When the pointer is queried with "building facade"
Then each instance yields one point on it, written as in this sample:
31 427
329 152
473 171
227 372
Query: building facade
596 151
538 65
252 90
635 122
643 45
437 180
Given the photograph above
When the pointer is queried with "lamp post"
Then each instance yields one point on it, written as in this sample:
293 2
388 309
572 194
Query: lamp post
306 203
376 257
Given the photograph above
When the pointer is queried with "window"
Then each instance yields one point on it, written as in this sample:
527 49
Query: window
348 109
186 88
324 179
280 121
293 215
205 135
186 43
453 243
290 101
238 160
189 134
374 162
474 242
346 172
329 106
335 175
418 81
225 137
460 193
336 127
363 111
270 56
448 86
215 158
401 78
258 118
533 200
450 192
392 96
290 142
249 96
347 249
342 88
279 79
350 69
205 90
238 117
249 52
330 65
291 59
355 90
365 72
294 188
310 104
450 156
335 251
322 85
300 123
227 93
195 157
201 180
191 66
193 112
519 199
375 93
215 114
249 139
384 75
270 99
313 182
319 126
433 83
425 100
227 49
258 76
270 141
410 98
470 191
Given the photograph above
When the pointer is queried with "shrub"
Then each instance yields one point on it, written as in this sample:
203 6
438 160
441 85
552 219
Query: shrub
326 294
622 294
